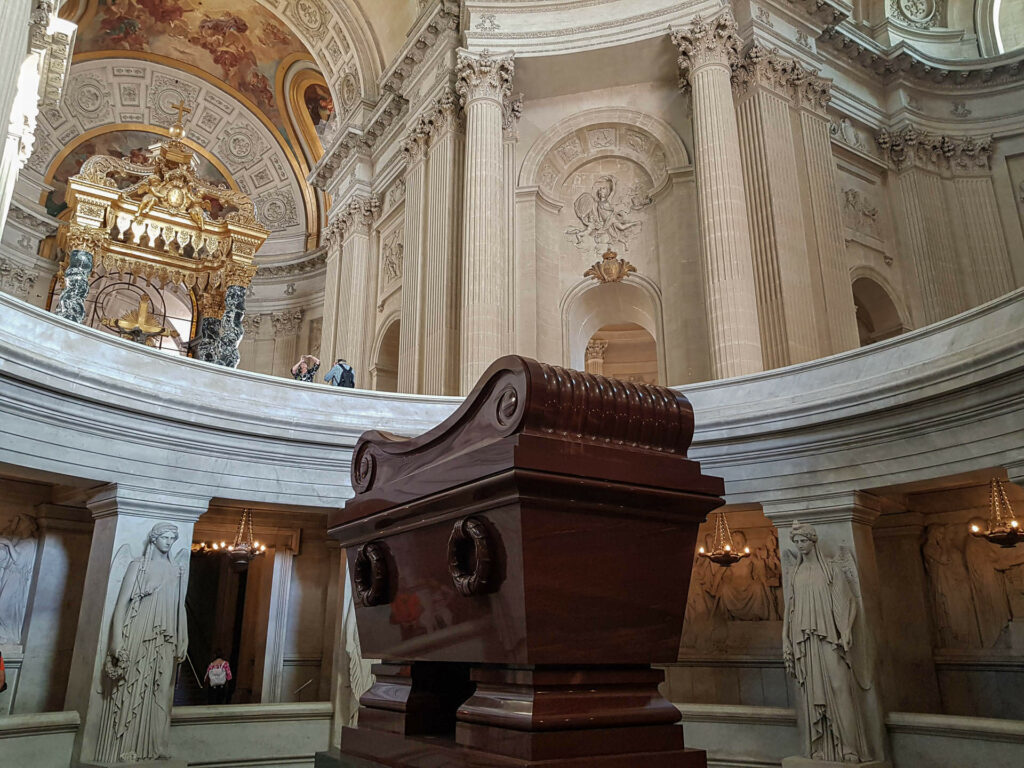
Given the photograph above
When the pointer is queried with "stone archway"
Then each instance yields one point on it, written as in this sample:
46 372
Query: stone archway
877 315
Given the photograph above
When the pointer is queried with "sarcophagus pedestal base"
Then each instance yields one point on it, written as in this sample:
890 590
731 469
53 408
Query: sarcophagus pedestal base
519 568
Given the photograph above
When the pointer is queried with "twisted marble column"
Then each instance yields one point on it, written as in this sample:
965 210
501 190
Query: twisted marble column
484 82
707 50
71 304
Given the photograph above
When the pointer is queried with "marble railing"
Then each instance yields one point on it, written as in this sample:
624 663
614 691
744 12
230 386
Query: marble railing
78 403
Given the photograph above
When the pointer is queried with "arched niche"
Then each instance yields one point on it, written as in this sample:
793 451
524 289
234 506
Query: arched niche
590 306
384 371
878 317
310 105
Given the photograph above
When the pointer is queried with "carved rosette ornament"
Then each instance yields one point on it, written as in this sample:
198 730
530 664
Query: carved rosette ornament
706 43
484 76
910 147
610 269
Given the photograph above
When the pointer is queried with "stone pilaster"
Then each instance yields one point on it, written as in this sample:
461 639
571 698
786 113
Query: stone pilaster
128 568
832 627
785 299
410 351
440 275
359 283
812 94
484 82
707 51
512 112
924 218
332 293
287 325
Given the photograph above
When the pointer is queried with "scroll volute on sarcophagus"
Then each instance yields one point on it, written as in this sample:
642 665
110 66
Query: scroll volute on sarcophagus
550 520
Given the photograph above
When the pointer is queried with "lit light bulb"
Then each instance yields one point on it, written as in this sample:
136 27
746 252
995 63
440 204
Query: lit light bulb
231 548
255 544
263 547
701 550
216 545
747 550
223 543
1013 523
975 528
728 548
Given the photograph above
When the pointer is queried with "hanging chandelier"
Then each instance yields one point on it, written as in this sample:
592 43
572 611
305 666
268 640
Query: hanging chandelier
242 550
723 551
1003 528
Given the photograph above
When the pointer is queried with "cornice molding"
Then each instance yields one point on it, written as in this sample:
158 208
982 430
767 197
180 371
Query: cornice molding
765 67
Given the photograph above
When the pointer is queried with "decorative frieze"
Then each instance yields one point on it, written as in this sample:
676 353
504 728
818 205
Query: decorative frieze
418 46
484 76
15 279
702 43
911 147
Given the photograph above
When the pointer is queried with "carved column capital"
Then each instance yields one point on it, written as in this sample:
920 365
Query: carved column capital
765 68
910 147
251 325
414 145
358 216
706 42
211 302
483 75
287 323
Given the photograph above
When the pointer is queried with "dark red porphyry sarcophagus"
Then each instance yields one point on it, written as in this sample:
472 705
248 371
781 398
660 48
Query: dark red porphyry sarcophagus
519 568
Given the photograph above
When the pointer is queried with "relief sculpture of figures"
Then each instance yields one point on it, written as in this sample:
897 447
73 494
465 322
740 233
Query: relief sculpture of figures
820 649
148 637
17 560
604 220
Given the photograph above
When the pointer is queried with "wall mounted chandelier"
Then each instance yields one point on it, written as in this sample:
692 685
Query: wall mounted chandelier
1003 527
242 550
723 551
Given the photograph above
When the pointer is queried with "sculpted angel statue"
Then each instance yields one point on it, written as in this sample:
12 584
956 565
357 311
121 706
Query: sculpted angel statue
148 637
819 649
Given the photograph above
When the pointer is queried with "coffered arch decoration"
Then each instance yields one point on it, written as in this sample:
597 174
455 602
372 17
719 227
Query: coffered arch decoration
579 139
241 41
128 94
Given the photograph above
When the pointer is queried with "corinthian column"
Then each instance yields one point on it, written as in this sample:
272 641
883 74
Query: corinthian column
358 274
332 293
410 366
484 81
782 272
440 275
707 50
812 94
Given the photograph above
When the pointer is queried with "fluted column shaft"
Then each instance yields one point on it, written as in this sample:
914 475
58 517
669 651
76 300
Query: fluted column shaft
840 311
441 263
359 278
332 295
707 48
785 299
484 81
987 251
410 351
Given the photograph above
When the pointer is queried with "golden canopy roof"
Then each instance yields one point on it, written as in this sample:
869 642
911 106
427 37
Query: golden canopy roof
159 219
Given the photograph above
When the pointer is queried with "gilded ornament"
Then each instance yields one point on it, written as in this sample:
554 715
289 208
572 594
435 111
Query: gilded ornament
610 269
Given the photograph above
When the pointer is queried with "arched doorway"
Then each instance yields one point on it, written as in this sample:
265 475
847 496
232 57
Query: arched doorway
622 309
877 315
384 373
624 351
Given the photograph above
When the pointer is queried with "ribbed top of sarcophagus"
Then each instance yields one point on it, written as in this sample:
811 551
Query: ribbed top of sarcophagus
526 416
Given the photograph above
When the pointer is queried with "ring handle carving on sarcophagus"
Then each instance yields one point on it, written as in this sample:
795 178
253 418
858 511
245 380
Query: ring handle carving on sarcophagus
370 576
473 557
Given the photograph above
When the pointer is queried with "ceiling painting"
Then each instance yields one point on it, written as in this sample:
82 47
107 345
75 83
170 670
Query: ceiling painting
238 42
118 143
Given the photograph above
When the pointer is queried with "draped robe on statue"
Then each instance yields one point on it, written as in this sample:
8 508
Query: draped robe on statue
819 623
136 715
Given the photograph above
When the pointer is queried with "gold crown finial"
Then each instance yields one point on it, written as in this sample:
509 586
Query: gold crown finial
178 129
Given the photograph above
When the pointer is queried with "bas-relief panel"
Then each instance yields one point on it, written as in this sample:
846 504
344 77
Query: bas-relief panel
237 41
736 609
18 541
130 144
976 591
